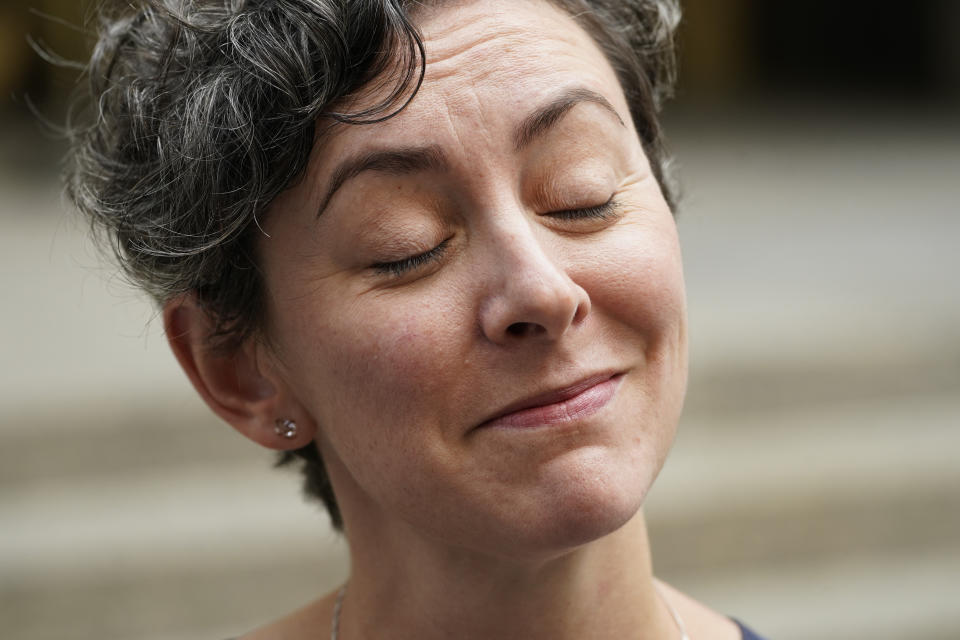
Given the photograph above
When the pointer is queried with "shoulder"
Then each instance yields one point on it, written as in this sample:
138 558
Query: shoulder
302 623
701 621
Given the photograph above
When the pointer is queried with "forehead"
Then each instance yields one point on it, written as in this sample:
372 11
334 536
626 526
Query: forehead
488 63
496 41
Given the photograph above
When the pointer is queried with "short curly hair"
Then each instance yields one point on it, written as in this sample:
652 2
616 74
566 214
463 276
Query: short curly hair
200 112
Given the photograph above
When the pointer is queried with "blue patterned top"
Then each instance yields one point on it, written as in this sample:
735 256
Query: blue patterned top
747 633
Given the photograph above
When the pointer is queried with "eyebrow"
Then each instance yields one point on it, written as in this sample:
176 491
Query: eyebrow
544 118
410 160
397 162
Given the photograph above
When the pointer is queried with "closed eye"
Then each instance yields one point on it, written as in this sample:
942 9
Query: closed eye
400 267
605 211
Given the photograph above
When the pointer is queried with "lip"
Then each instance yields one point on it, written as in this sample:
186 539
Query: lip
576 401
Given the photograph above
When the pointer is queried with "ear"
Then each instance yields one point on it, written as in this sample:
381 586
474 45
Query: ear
241 386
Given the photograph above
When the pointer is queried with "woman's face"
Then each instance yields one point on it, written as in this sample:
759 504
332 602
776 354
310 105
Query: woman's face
500 244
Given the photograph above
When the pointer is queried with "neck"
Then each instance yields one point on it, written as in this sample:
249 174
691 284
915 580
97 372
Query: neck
415 588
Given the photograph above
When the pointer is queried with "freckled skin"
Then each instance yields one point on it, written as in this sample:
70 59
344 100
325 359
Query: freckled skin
398 372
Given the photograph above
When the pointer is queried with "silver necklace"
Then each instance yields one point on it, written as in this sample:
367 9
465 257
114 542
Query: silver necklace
335 622
673 611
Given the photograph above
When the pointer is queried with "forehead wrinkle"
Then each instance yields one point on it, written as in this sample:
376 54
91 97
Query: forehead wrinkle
464 57
471 63
509 40
437 54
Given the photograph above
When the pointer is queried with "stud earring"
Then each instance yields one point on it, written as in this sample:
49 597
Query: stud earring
286 428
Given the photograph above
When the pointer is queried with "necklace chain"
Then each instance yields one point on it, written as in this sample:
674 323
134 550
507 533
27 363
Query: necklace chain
335 622
673 612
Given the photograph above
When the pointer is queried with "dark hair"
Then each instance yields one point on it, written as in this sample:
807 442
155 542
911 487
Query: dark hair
200 112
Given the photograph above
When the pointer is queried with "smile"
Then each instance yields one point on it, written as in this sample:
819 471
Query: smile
571 403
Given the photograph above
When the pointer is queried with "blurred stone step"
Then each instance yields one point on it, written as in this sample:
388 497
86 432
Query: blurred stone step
762 488
879 373
850 596
200 602
116 436
821 450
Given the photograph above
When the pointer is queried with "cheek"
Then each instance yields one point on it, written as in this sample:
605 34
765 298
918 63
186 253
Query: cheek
377 361
377 380
638 296
636 278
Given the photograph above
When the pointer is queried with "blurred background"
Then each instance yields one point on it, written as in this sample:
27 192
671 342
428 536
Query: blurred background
814 490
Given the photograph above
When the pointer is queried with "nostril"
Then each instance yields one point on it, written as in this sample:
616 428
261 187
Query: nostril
521 329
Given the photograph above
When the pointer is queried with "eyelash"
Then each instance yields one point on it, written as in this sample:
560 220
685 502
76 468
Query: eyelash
397 268
400 267
605 211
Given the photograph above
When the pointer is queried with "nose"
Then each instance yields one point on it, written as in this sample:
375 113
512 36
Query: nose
531 295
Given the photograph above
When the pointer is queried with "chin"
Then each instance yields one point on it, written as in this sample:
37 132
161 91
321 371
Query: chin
582 525
576 507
